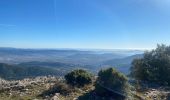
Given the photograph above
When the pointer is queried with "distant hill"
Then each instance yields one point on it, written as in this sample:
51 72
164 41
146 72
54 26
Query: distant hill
33 69
91 58
85 57
122 64
20 63
12 55
46 64
19 72
126 60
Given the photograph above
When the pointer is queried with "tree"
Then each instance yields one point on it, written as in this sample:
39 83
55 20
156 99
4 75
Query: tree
78 78
154 66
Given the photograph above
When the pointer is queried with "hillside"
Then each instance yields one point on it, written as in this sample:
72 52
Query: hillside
123 64
123 61
11 72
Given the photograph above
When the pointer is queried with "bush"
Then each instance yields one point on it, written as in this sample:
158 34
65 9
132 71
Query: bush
111 79
154 66
78 78
59 87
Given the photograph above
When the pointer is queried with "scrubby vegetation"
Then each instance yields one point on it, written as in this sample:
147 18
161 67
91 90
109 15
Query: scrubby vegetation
110 82
78 78
154 66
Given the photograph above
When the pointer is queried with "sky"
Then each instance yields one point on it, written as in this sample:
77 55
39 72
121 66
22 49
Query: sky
93 24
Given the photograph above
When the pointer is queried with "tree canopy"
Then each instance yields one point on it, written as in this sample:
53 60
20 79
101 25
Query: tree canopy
154 66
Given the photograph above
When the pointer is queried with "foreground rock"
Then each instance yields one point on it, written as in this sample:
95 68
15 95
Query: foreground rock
55 89
27 88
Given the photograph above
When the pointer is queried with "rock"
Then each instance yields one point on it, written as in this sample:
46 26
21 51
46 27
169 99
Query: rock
34 83
55 98
48 86
80 90
57 94
10 94
153 89
75 99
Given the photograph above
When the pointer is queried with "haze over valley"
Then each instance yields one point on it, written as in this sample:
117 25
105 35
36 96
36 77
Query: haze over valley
59 62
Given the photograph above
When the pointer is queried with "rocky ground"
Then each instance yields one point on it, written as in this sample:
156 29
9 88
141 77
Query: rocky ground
42 88
34 89
153 92
24 89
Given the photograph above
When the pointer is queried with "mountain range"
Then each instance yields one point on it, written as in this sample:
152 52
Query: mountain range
22 63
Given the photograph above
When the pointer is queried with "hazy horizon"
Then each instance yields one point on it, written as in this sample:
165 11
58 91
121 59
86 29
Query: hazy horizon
105 49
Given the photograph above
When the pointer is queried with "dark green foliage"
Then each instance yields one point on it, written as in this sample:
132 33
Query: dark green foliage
154 66
111 79
78 78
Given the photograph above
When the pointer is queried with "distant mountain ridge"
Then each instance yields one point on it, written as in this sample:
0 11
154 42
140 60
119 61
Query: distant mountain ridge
13 55
122 64
126 60
21 63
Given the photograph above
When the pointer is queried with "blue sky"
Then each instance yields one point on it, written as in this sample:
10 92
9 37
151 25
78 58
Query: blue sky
96 24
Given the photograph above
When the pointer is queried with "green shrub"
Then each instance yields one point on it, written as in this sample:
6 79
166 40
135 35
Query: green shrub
154 66
78 78
111 79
